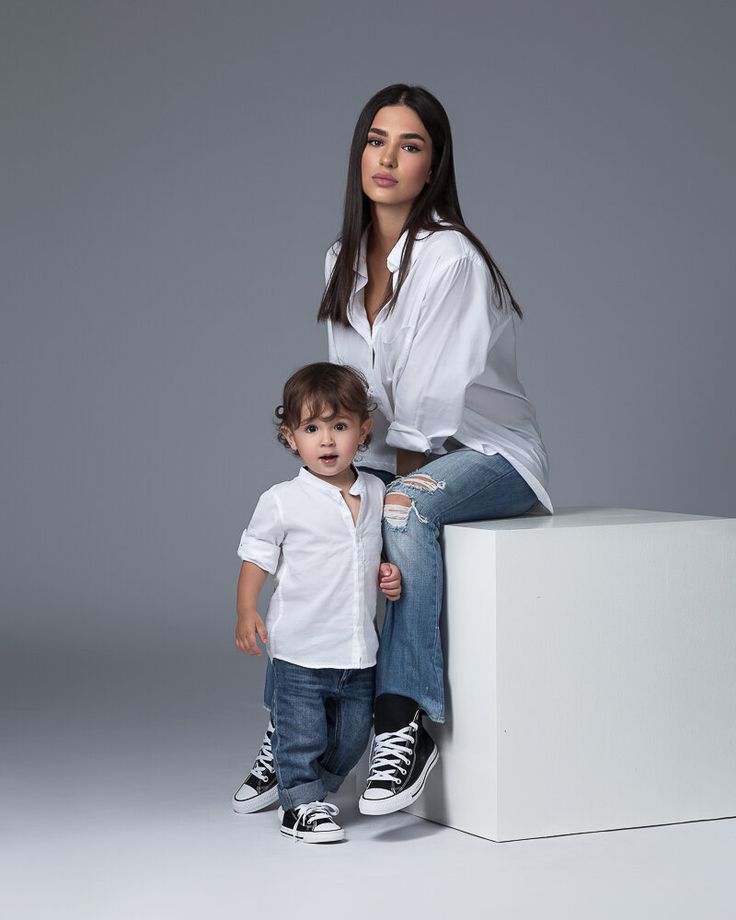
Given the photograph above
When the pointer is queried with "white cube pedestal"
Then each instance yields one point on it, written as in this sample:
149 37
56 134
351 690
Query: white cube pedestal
591 674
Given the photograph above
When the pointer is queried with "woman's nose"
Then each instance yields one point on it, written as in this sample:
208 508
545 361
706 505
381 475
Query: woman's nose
387 157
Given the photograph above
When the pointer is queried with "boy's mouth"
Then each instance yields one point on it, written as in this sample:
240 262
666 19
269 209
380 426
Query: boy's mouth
328 458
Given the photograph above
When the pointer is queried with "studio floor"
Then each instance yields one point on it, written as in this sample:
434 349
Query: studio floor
117 805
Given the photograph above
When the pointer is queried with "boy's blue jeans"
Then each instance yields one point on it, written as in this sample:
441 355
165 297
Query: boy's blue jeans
464 485
322 719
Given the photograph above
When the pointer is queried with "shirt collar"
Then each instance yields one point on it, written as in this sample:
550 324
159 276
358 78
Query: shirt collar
357 488
393 259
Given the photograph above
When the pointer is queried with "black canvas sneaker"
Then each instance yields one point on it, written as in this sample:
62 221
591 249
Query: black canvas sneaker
259 789
311 823
400 764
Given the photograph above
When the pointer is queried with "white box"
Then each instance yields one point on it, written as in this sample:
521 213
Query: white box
590 672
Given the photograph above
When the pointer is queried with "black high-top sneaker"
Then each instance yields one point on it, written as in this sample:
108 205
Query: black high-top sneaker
312 823
400 764
259 789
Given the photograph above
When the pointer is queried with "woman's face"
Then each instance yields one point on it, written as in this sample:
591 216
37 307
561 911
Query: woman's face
397 158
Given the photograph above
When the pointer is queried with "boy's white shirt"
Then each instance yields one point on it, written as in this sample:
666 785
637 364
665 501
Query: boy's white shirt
322 611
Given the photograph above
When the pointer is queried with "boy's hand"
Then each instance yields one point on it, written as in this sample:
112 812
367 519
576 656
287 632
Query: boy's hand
248 627
389 581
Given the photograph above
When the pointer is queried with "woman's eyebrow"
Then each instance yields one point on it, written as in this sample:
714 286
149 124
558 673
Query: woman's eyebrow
417 137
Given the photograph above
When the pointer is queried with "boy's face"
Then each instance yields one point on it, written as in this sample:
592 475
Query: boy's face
328 445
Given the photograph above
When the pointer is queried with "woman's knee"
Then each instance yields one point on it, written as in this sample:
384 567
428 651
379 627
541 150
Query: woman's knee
408 495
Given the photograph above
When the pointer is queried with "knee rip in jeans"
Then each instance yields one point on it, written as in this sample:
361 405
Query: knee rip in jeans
397 505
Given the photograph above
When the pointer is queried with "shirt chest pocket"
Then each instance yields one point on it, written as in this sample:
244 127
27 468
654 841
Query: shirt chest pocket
392 352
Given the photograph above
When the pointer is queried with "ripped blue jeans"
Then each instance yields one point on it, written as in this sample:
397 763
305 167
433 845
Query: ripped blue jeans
464 485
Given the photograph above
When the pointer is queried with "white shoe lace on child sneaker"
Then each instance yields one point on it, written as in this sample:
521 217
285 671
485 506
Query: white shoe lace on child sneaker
263 767
259 789
312 823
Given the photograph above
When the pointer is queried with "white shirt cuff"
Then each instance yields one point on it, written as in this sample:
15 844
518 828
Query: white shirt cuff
264 554
407 439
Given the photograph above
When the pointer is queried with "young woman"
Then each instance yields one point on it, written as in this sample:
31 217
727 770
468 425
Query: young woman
416 303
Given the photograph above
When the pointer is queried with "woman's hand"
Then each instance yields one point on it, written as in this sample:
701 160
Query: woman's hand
248 627
389 581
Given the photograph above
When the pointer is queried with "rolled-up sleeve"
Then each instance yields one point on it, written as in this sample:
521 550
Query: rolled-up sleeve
262 538
455 330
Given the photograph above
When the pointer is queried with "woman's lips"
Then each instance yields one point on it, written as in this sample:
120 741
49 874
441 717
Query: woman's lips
384 181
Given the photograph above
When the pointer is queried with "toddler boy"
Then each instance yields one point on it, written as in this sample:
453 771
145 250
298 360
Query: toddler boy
319 534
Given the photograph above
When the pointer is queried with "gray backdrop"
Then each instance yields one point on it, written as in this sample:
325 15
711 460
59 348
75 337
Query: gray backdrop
172 175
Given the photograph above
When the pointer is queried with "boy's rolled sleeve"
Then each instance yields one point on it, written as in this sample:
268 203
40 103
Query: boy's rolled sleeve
262 538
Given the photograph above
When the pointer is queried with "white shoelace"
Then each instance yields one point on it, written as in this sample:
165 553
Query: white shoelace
390 750
264 762
309 813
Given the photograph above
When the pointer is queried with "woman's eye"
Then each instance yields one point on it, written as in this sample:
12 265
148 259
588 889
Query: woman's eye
411 148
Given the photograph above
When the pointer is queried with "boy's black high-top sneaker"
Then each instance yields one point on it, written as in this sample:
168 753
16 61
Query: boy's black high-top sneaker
311 823
259 789
400 764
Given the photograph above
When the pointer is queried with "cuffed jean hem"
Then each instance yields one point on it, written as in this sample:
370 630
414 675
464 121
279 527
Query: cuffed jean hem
300 795
331 781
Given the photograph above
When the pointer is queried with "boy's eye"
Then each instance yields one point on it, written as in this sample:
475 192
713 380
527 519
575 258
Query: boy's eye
341 426
310 428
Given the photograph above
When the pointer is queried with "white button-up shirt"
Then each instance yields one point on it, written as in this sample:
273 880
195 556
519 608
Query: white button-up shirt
322 611
442 364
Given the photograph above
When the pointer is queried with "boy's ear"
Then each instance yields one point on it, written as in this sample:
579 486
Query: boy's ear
366 427
286 432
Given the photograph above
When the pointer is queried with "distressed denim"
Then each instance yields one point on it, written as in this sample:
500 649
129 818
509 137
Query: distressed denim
464 485
322 719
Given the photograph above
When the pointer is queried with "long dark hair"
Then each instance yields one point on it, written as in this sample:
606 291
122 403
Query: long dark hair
439 194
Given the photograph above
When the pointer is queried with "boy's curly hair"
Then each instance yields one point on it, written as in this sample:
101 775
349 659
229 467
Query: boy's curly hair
313 389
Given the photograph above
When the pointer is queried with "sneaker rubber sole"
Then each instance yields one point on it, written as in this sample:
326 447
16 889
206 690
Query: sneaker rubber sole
402 799
248 806
314 836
